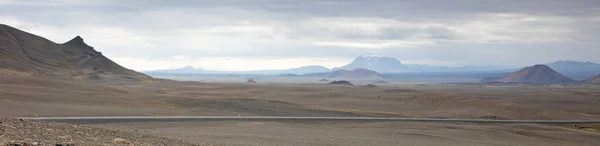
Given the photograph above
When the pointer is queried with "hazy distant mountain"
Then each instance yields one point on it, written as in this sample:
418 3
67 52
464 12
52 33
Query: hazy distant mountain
28 54
307 69
184 70
393 65
192 70
575 69
375 63
574 66
593 80
538 74
358 73
370 62
429 68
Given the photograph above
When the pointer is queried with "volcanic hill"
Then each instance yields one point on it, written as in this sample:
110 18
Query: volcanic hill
23 53
538 74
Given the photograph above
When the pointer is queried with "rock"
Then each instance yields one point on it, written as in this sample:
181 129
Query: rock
381 82
251 81
120 141
370 86
341 83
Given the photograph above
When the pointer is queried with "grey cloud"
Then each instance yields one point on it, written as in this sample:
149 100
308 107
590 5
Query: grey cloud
385 33
162 20
440 32
395 33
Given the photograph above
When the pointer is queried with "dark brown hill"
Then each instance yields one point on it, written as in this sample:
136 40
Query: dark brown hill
23 53
538 74
358 73
593 80
341 83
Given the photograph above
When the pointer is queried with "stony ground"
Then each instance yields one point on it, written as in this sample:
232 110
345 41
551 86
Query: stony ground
27 132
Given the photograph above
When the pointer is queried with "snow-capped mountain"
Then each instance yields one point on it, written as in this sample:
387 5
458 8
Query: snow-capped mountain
382 64
376 63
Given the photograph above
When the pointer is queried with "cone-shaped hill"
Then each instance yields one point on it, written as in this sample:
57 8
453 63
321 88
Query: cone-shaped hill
538 74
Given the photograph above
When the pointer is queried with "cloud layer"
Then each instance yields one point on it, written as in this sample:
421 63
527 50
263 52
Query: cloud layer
155 34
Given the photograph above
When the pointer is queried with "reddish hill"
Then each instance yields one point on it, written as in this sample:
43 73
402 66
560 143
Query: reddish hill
593 80
538 74
358 73
23 53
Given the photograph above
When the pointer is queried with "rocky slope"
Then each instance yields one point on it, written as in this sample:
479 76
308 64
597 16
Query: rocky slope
28 132
23 53
593 80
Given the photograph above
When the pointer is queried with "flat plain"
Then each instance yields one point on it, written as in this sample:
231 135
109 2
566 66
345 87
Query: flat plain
26 96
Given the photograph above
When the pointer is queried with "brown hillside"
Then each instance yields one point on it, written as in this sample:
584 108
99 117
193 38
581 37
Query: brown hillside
27 54
538 74
358 73
341 83
593 80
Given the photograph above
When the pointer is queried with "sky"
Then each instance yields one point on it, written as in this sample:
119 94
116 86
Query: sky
237 35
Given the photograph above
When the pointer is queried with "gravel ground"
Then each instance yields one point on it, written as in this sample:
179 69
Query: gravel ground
27 132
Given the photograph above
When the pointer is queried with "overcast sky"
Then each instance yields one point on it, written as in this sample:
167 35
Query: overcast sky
277 34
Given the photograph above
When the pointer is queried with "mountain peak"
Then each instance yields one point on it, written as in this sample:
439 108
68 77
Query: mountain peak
77 41
188 67
376 63
67 60
541 66
538 74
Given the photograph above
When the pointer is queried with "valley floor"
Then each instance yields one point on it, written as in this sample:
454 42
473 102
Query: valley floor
23 96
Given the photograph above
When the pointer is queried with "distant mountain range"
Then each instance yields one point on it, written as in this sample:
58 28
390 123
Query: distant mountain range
576 70
358 73
184 70
192 70
370 62
392 65
388 65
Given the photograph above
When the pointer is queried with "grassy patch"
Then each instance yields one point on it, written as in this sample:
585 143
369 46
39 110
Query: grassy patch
591 129
588 128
